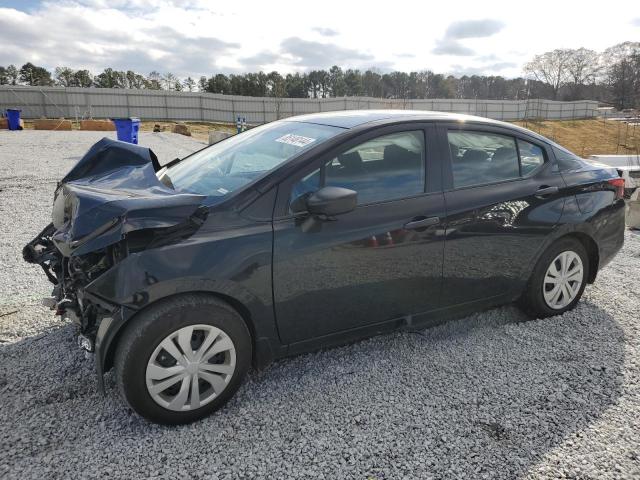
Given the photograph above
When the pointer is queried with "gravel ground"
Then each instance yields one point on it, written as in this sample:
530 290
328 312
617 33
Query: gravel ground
488 396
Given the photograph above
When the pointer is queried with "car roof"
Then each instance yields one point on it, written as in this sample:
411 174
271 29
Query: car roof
355 118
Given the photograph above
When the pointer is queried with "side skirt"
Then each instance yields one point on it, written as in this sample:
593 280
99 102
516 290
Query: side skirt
428 319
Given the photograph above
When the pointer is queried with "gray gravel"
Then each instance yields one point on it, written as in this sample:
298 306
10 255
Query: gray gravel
488 396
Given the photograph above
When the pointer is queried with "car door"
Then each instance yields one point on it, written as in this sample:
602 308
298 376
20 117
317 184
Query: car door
379 262
503 197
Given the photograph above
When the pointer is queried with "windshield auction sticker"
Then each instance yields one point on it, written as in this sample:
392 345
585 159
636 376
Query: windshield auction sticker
296 140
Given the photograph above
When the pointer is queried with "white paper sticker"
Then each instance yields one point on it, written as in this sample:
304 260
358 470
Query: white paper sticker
296 140
223 191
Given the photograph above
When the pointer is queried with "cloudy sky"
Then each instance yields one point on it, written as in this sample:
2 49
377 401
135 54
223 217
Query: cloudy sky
201 37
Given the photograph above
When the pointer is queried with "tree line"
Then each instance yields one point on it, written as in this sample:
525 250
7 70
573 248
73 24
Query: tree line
611 76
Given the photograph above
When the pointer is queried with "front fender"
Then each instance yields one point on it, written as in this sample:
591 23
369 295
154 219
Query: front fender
240 277
105 343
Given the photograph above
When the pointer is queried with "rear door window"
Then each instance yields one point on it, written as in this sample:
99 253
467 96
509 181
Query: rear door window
480 157
531 157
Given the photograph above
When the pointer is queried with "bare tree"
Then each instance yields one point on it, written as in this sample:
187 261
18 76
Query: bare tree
621 68
154 81
618 52
551 68
582 68
169 81
624 80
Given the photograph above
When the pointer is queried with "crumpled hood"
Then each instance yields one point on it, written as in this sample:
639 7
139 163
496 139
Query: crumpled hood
112 191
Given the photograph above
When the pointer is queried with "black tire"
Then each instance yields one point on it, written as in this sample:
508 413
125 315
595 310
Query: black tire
532 301
152 326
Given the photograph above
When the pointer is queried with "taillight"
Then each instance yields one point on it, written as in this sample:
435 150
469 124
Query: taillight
619 184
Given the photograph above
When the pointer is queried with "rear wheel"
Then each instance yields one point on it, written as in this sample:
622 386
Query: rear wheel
558 279
182 359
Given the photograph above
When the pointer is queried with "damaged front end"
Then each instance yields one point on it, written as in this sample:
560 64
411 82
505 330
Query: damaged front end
70 276
109 206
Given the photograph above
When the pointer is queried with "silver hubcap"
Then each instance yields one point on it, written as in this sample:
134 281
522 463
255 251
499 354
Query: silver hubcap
563 280
190 367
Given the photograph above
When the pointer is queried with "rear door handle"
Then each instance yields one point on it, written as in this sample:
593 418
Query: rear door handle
545 190
421 222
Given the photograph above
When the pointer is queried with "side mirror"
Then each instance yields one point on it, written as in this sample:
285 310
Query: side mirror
330 201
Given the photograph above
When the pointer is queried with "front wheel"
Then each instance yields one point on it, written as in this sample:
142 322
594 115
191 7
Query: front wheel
182 359
558 279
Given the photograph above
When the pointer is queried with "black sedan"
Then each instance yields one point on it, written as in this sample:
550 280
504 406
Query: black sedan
309 232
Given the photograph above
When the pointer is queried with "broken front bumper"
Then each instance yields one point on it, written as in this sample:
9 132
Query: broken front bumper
98 321
101 340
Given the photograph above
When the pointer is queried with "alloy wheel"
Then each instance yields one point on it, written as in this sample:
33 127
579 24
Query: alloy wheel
190 367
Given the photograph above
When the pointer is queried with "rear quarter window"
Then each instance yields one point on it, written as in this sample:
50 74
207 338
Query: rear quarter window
566 160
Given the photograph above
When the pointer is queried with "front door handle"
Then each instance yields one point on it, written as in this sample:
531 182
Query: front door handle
545 190
421 222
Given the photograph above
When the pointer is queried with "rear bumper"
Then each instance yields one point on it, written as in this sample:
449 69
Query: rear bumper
610 234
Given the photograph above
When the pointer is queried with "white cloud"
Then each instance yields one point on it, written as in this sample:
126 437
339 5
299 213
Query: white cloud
326 32
194 37
483 69
450 44
473 28
321 55
82 36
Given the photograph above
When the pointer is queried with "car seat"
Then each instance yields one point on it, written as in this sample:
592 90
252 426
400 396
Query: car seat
504 163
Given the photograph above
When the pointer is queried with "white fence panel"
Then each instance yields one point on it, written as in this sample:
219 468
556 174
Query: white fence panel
55 102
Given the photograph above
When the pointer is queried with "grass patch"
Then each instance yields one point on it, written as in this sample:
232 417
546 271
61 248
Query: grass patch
589 137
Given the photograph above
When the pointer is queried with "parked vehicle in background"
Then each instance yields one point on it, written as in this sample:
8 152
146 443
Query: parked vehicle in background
628 167
310 232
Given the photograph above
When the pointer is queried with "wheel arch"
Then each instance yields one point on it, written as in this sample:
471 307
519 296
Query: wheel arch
591 247
261 349
585 239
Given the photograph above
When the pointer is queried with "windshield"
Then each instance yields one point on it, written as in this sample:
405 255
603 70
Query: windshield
231 164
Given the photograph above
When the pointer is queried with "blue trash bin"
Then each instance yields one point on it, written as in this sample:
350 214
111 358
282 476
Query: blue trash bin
127 129
13 118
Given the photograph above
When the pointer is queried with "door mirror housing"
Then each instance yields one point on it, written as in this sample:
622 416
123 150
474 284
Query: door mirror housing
330 201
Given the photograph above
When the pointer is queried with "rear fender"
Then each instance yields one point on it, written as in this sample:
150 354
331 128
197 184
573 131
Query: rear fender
601 230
